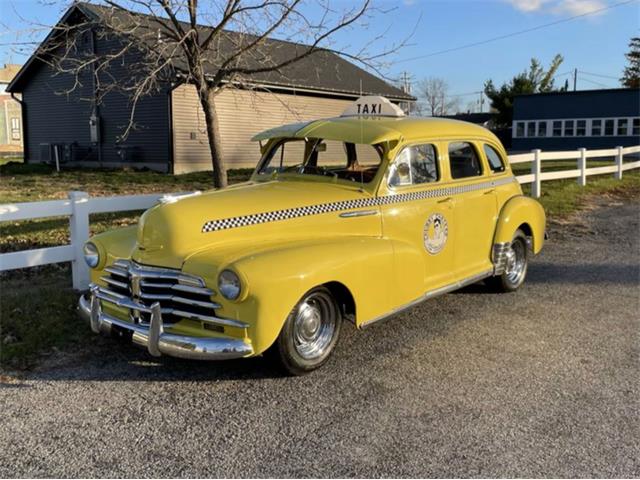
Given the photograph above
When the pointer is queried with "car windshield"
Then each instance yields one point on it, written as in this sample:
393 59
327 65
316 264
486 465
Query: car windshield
331 158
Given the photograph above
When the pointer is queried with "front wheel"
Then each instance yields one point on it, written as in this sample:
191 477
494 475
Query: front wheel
516 268
309 334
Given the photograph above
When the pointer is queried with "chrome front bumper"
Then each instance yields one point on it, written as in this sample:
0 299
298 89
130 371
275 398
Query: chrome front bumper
153 337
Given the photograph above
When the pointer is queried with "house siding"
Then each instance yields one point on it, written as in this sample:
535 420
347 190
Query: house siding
55 117
584 106
242 114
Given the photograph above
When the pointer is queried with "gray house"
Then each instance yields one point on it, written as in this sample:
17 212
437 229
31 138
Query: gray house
170 134
570 120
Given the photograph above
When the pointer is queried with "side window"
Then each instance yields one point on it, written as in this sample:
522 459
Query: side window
463 160
495 160
415 165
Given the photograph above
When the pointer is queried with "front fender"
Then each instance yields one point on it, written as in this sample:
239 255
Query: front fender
276 279
519 211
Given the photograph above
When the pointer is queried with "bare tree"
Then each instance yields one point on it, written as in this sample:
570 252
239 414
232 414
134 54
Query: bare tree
213 45
434 93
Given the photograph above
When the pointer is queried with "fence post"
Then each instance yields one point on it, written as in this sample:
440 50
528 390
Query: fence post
582 166
618 174
535 170
79 230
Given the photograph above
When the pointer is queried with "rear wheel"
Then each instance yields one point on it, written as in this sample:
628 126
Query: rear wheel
309 334
516 268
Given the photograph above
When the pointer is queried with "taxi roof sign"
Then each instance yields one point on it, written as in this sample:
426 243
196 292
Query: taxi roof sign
373 105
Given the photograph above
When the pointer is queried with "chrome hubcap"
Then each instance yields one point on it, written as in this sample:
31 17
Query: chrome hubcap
314 325
516 262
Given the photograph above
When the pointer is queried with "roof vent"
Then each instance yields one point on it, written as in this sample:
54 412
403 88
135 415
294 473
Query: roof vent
372 105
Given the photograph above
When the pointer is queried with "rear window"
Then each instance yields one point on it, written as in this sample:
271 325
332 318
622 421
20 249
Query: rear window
495 160
464 160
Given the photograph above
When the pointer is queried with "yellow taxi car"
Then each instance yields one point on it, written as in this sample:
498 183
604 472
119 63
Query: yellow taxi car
351 218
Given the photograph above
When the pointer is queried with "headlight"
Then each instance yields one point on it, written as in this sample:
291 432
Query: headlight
91 255
229 285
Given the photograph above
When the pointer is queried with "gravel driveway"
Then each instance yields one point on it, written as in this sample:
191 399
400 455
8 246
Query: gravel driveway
543 382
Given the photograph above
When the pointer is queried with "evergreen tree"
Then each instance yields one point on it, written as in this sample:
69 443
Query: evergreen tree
631 76
533 80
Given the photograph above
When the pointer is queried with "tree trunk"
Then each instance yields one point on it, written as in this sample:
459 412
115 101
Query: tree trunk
206 96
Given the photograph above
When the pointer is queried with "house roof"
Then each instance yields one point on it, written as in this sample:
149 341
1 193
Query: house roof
477 117
322 71
570 93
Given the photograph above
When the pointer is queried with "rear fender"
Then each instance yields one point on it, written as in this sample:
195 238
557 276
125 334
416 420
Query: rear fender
525 212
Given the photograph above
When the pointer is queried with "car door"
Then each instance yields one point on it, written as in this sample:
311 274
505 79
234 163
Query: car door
473 193
417 219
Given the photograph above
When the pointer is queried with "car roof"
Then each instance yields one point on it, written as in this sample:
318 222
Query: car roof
377 129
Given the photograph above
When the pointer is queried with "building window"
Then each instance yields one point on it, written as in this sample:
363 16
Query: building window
608 126
623 123
557 128
15 128
568 128
596 128
531 129
520 129
542 129
581 128
636 127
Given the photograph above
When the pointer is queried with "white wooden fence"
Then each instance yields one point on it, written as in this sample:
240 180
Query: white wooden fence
79 206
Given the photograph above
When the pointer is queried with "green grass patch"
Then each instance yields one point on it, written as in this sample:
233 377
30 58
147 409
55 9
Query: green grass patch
38 315
561 198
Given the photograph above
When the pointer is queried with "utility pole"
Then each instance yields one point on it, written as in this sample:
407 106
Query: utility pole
575 79
481 101
405 85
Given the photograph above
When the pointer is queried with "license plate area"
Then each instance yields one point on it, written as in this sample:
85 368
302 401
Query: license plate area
121 334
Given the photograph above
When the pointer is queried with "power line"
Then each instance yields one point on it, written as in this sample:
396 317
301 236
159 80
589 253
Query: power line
521 32
595 83
597 75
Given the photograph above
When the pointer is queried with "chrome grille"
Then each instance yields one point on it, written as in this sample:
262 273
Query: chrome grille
180 295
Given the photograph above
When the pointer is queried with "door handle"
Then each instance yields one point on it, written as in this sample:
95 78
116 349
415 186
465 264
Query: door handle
490 191
447 200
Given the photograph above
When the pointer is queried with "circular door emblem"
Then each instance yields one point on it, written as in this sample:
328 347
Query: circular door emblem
436 231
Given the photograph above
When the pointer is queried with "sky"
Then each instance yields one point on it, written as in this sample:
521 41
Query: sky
594 43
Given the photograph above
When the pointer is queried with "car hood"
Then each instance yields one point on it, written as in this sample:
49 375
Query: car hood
247 213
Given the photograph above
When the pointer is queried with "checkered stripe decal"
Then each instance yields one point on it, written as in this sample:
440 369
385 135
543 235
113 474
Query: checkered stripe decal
286 214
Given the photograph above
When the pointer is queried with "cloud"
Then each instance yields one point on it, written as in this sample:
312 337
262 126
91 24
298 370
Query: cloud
559 7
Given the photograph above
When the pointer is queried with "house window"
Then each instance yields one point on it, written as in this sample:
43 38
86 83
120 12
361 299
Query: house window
542 129
520 129
15 128
568 128
636 127
557 128
531 129
623 123
596 128
581 128
608 126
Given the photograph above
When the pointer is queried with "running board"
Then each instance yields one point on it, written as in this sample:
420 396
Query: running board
432 294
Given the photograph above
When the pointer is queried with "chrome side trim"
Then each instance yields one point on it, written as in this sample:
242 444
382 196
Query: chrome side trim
432 294
156 341
358 213
442 190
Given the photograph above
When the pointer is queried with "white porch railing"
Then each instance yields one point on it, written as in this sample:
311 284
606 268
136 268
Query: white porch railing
79 206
